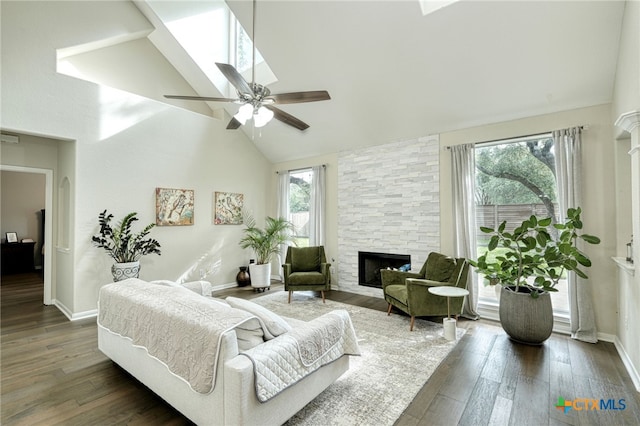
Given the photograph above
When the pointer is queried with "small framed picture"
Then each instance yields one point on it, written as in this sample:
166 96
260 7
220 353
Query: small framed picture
12 237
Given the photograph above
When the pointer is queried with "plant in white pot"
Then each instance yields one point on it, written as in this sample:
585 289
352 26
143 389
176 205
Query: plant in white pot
123 245
529 265
265 243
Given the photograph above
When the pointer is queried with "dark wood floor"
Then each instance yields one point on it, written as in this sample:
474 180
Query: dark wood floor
52 373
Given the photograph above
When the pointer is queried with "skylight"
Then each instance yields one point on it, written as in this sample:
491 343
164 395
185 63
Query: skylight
209 32
430 6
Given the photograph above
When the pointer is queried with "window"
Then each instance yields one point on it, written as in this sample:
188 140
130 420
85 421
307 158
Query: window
516 178
299 201
242 50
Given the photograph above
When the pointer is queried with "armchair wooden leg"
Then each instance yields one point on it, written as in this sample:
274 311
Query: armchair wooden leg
289 301
413 320
322 293
389 310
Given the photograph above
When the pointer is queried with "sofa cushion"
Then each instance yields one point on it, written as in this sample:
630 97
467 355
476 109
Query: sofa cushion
274 323
167 283
203 288
306 278
305 259
398 292
440 267
250 334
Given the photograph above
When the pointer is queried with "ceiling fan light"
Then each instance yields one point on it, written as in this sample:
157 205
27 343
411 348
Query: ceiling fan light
244 113
262 117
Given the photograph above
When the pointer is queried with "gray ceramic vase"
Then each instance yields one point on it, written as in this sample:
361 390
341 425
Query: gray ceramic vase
524 318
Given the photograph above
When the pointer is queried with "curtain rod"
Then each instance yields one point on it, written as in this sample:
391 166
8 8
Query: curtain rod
324 166
583 127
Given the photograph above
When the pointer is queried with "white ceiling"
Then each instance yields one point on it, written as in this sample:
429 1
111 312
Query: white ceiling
393 73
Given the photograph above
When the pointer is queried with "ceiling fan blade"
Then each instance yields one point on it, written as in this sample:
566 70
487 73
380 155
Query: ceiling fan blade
298 97
235 78
287 118
199 98
234 124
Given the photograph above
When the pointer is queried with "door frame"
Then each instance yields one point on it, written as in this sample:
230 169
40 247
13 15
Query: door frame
48 221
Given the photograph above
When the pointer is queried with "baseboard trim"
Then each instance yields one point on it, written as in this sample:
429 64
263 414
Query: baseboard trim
626 361
489 311
74 317
607 337
224 286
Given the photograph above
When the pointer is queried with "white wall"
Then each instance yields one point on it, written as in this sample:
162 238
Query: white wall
22 200
626 93
627 99
142 59
125 147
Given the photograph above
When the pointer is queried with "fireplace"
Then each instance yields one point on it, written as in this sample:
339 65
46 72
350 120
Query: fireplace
369 265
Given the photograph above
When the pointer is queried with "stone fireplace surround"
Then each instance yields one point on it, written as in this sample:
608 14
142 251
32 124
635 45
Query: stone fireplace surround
388 202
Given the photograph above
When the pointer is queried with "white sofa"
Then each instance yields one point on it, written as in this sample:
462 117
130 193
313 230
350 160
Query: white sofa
233 400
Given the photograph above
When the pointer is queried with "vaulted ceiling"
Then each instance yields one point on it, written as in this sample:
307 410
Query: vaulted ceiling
394 73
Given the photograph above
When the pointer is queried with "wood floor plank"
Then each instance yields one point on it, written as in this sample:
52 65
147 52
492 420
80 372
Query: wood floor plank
501 411
479 408
444 411
561 387
460 384
529 402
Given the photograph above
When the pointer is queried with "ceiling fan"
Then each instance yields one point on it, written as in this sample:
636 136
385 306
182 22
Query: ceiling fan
256 100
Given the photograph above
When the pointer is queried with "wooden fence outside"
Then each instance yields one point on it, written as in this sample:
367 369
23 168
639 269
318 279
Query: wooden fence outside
493 215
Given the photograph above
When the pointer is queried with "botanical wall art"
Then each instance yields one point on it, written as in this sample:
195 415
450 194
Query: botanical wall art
228 208
174 207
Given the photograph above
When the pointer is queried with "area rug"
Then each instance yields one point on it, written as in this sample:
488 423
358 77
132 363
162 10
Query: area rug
394 365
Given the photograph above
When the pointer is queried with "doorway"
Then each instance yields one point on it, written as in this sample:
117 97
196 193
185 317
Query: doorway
47 247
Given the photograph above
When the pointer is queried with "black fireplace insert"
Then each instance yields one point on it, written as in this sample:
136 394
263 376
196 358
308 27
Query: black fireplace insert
370 263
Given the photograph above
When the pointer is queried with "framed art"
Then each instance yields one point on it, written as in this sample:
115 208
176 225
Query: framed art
12 237
228 208
174 207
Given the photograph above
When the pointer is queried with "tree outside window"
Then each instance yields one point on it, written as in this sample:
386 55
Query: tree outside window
299 198
515 179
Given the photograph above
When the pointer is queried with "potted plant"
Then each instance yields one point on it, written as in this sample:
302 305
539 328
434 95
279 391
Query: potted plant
264 243
530 263
125 247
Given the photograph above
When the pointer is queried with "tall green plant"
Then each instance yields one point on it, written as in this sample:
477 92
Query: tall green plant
266 242
120 242
530 251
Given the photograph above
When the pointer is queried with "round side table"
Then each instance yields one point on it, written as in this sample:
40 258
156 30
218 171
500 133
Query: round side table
449 324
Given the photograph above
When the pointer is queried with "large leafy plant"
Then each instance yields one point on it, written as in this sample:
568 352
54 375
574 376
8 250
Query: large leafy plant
120 242
530 251
266 242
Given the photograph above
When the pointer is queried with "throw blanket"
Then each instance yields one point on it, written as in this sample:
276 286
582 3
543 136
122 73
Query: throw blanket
177 326
281 362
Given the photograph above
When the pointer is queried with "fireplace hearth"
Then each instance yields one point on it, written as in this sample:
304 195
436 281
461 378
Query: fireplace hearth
370 263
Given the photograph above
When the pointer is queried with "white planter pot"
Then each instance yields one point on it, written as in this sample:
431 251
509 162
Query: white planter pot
123 271
260 275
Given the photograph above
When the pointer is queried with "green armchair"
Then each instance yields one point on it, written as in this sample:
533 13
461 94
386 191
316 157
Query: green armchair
305 269
409 291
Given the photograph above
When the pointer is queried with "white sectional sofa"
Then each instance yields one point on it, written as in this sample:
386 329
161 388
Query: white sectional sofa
233 396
